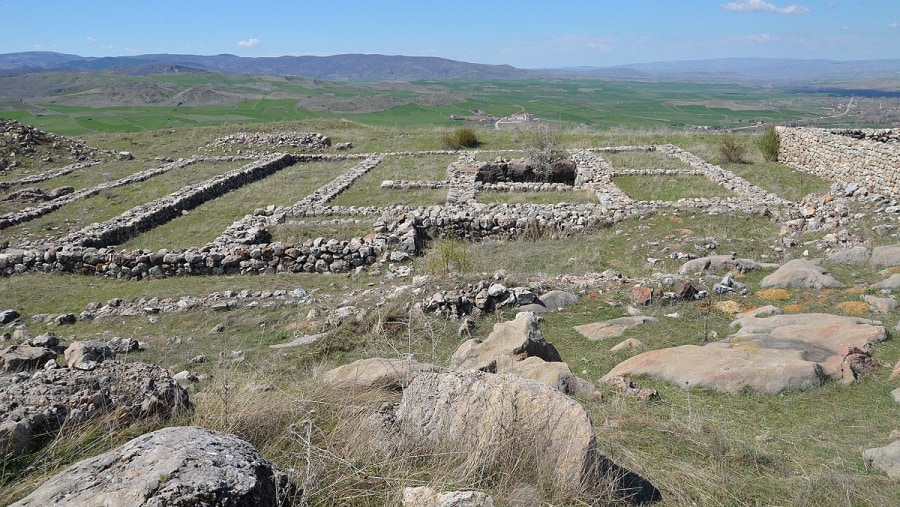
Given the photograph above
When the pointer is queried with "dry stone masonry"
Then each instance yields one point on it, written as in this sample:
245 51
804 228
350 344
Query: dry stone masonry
870 158
246 246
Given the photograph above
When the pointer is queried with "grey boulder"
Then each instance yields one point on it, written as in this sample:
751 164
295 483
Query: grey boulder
172 466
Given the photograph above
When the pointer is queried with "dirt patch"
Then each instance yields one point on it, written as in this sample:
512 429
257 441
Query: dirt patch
854 307
773 294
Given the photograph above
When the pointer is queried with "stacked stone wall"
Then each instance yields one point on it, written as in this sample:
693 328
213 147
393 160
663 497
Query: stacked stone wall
870 158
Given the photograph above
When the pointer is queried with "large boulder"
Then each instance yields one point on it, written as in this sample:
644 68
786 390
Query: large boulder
801 274
24 357
509 341
768 354
492 420
172 466
518 347
36 408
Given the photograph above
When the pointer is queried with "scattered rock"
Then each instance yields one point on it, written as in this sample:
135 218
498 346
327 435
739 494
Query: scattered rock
628 344
184 465
423 496
627 387
85 355
886 459
49 398
24 357
7 316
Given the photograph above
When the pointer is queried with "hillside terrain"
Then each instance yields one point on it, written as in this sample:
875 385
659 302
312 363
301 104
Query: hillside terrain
291 261
299 293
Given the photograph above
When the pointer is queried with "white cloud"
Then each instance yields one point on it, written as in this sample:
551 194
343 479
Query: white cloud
91 39
106 46
760 6
249 43
38 46
895 24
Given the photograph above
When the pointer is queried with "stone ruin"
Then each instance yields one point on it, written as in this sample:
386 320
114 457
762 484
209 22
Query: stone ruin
522 170
400 232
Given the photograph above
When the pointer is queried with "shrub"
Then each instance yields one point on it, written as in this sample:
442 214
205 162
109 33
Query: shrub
543 149
732 149
461 138
768 144
448 256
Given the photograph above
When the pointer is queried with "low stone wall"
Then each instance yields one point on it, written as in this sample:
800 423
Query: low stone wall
398 242
870 158
152 214
47 175
32 212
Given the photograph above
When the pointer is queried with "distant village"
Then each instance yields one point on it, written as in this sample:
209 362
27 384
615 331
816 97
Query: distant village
515 120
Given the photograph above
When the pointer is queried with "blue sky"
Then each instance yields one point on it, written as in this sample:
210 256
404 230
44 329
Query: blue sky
522 33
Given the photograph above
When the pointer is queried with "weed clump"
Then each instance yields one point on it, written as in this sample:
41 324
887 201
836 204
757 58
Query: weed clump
732 149
543 149
448 256
768 144
461 138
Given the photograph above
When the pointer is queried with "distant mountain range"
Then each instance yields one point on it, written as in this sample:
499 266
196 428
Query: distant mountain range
363 67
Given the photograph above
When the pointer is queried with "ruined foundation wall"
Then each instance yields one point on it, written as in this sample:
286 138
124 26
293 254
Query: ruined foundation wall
870 158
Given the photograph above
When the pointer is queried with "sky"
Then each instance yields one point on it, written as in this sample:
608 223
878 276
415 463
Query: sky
522 33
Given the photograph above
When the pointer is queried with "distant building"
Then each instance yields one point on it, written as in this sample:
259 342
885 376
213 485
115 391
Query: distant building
523 116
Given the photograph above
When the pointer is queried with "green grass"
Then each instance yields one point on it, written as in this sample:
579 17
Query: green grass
548 197
669 188
205 222
112 202
698 447
332 228
640 160
366 191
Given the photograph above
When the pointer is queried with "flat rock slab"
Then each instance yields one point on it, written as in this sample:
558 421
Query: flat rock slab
886 459
884 256
614 328
802 274
890 283
377 372
172 466
550 302
423 496
299 341
767 355
722 262
856 255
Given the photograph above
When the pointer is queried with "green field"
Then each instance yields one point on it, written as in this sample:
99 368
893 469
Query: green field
111 103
